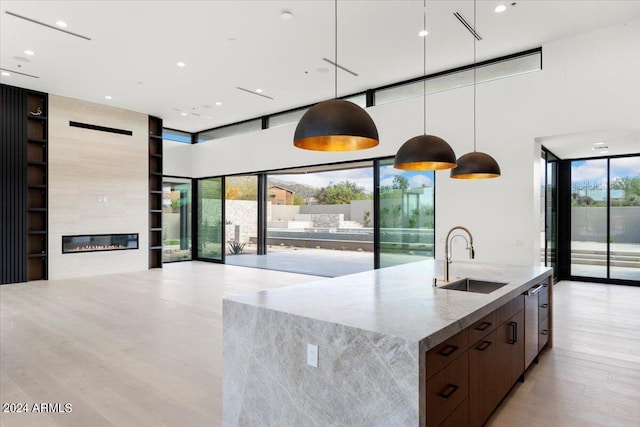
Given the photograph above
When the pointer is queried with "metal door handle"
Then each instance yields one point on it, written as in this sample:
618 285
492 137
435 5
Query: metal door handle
448 350
485 345
448 391
483 326
513 332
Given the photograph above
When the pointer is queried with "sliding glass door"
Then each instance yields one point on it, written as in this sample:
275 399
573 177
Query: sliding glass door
624 221
176 219
210 219
589 203
605 218
406 218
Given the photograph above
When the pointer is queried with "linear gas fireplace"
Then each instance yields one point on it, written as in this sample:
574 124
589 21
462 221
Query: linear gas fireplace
99 242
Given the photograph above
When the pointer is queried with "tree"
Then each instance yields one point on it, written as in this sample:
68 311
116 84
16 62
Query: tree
400 183
341 193
298 200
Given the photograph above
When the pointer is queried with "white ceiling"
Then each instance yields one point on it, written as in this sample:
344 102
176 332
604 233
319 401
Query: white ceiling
135 46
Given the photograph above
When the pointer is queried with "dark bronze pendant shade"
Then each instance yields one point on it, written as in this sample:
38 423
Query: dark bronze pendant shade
425 152
336 125
476 165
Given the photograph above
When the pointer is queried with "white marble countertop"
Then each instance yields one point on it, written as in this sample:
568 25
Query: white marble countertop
400 301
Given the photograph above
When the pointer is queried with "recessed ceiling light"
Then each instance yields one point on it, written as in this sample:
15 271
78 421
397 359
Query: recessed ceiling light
259 90
181 64
501 8
423 33
286 15
61 24
108 97
183 114
29 52
4 73
599 143
218 103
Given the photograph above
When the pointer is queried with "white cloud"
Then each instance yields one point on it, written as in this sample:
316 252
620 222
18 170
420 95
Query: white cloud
590 170
625 166
420 180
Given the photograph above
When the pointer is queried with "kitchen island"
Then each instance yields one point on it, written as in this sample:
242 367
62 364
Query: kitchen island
380 338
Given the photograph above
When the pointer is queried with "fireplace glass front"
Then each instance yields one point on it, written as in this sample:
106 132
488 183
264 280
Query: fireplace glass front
99 242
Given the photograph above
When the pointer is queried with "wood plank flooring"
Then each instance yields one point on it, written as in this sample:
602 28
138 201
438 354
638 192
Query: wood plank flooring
145 349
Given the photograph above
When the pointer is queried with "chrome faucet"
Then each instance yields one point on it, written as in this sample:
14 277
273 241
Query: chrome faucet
447 246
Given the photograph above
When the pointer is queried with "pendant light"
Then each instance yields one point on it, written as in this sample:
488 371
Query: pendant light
336 125
425 152
475 165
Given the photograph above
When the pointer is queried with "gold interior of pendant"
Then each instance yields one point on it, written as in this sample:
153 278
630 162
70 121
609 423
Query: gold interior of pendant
417 166
336 143
475 175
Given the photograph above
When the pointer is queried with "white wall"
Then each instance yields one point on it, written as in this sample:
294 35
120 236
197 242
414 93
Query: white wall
98 184
176 158
589 82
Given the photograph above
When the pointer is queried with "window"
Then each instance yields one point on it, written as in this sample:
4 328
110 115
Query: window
510 67
176 135
235 129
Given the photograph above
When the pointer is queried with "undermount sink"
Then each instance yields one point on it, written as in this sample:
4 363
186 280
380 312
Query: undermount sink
472 285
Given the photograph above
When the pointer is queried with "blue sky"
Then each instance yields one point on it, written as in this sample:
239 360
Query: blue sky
597 169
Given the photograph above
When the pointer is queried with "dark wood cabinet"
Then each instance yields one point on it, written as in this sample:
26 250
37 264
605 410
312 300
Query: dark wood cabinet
495 361
484 395
510 343
155 192
447 390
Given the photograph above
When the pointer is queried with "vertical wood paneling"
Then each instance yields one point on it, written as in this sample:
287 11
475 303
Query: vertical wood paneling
13 185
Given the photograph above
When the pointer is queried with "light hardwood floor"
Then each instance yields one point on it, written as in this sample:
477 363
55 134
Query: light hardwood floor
145 349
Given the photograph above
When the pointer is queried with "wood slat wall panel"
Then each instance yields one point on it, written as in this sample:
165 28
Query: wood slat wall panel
13 182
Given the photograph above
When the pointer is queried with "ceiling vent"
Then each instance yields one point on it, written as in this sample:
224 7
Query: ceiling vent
254 93
46 25
468 26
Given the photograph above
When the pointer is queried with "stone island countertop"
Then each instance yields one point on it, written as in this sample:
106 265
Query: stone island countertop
371 330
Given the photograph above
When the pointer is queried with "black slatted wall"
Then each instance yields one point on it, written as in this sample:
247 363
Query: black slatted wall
13 185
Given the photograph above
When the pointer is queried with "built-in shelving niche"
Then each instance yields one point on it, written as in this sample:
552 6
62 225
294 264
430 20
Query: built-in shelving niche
37 182
155 192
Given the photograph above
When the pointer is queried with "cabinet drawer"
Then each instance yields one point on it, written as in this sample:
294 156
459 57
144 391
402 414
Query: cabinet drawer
543 302
447 389
509 309
446 352
459 417
482 327
543 333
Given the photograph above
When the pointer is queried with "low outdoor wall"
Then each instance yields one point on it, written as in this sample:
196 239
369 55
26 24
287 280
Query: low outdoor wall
284 212
589 224
328 209
242 213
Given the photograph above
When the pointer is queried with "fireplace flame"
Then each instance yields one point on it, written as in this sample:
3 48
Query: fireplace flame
98 247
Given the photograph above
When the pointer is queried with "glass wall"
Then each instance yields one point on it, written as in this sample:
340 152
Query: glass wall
241 215
406 215
210 219
589 218
551 214
320 219
176 219
624 223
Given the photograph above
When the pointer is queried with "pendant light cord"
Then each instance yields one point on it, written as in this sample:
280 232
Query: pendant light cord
474 75
424 64
335 40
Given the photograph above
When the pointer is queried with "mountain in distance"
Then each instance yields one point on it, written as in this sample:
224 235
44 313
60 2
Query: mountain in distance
302 190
